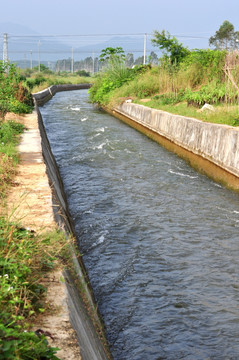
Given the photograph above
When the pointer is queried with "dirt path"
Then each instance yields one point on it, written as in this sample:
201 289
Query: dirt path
30 203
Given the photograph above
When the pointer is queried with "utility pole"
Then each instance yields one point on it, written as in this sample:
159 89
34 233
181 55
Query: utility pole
145 43
5 48
39 64
93 70
31 59
72 61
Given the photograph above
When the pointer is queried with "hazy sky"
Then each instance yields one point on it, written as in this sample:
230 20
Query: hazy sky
180 17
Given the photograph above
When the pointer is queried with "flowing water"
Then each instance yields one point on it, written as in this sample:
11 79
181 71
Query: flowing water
159 240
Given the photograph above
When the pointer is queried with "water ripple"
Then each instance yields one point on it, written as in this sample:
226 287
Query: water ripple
159 241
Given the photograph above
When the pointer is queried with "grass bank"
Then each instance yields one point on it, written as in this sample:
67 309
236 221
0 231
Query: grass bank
203 77
36 81
25 258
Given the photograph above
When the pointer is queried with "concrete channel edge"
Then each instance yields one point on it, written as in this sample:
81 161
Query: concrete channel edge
92 347
212 149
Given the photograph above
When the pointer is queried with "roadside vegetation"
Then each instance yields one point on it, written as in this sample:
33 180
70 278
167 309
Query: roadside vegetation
182 82
36 81
14 95
25 257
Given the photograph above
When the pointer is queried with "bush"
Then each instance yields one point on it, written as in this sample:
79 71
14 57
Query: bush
24 259
83 73
16 343
35 81
204 65
114 76
13 95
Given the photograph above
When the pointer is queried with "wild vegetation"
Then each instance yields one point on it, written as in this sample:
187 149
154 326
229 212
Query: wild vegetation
14 96
25 257
36 81
183 81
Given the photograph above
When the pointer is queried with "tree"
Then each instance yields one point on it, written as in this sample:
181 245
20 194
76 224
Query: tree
139 60
9 79
224 38
83 73
109 53
153 58
236 40
174 50
129 61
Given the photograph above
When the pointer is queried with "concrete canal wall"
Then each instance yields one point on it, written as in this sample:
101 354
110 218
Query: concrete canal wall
45 95
217 144
211 148
85 325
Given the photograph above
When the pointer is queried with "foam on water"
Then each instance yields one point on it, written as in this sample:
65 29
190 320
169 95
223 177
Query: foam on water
99 147
100 129
75 108
182 174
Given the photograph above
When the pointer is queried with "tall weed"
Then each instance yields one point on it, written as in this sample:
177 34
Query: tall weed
24 258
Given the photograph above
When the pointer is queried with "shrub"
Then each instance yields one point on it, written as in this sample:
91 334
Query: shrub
16 343
13 95
35 81
23 263
83 73
113 76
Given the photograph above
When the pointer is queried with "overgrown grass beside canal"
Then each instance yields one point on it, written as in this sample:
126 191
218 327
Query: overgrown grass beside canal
36 81
203 76
25 258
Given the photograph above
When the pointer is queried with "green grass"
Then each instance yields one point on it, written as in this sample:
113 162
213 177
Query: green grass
9 135
223 114
181 90
40 81
24 259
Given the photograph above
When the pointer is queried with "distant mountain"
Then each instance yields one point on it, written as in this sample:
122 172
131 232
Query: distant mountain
134 45
24 45
16 29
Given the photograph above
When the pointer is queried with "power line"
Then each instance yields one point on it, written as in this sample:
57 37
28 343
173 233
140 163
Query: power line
73 35
100 35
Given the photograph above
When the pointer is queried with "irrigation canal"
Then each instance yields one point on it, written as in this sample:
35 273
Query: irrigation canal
159 240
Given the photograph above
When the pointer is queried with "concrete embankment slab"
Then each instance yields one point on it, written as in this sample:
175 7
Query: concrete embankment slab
92 347
211 148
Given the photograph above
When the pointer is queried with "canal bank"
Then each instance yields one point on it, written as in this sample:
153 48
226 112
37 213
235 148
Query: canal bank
30 203
212 149
159 240
84 316
59 189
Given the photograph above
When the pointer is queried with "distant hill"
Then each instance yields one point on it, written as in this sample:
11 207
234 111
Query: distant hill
129 44
16 29
25 44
